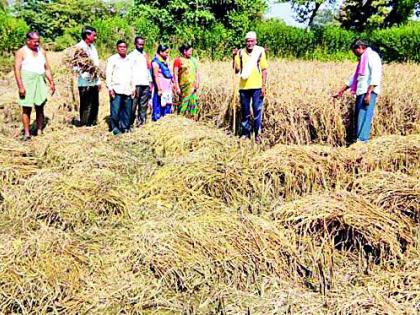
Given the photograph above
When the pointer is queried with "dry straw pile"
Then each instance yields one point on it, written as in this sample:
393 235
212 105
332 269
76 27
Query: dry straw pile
178 217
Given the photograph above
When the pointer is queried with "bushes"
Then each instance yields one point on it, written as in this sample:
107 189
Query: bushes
12 32
283 40
399 43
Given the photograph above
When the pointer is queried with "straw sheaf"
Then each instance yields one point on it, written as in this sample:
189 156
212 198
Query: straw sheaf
290 171
16 161
41 271
70 201
346 220
388 153
78 59
200 251
395 192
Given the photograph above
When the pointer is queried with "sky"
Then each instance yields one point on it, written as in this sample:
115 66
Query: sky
282 11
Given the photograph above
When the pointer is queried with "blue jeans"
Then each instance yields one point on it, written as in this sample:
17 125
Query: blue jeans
364 115
257 107
120 113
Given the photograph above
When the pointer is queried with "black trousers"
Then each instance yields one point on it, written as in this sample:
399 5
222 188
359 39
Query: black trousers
89 105
140 104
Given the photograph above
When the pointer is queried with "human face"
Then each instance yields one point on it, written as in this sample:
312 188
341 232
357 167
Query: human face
358 51
187 53
91 38
140 45
164 54
250 43
33 42
122 49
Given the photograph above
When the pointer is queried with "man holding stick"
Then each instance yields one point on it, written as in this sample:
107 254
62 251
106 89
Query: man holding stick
251 63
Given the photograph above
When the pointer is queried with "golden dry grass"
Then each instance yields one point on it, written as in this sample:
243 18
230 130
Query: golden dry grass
180 217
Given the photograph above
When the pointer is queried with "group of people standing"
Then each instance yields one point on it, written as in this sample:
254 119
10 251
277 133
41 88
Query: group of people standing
134 81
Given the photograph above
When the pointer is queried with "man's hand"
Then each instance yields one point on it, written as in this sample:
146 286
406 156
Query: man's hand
99 86
52 88
111 94
262 91
133 94
22 92
367 99
339 94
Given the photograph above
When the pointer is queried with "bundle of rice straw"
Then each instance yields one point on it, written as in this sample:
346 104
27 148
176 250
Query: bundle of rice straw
17 161
199 179
42 270
78 60
195 253
346 220
389 153
396 192
72 200
177 136
290 170
76 149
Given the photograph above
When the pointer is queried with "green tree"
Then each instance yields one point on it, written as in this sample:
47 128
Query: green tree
373 14
52 17
185 16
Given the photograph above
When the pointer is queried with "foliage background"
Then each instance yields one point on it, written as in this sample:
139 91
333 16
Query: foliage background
213 27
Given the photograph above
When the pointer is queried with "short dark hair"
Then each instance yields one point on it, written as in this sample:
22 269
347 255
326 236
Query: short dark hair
87 30
162 48
31 34
184 47
359 43
137 38
121 41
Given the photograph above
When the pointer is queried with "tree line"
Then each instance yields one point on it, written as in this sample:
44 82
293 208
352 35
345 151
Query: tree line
214 26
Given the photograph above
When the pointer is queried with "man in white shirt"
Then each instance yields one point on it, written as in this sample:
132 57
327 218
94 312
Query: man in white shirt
142 80
119 81
89 87
366 85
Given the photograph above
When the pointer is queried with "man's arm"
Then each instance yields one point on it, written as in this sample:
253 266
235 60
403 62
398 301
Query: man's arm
155 68
176 76
109 70
48 74
375 76
341 91
264 82
18 75
264 66
197 80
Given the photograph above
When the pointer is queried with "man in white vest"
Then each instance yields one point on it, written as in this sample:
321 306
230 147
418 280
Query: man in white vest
251 63
142 80
31 72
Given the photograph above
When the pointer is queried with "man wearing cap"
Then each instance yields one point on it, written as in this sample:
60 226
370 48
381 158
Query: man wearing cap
251 64
365 83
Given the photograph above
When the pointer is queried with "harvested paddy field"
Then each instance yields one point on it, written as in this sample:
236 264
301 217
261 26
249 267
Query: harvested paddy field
182 217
